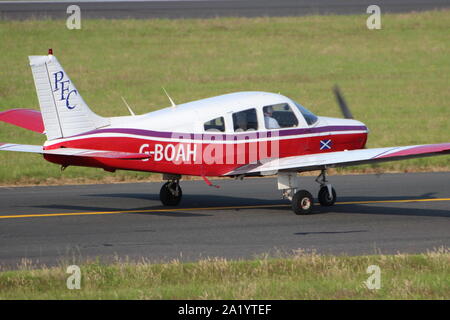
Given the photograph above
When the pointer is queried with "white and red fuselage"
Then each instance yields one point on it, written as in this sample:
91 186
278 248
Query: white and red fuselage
177 143
236 134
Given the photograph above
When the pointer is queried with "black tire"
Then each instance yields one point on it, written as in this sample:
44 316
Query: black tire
324 197
302 202
167 197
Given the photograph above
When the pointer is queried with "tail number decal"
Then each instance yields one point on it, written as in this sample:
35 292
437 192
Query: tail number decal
63 86
179 153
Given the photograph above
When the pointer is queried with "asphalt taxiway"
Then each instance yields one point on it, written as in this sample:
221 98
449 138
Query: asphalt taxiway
389 213
174 9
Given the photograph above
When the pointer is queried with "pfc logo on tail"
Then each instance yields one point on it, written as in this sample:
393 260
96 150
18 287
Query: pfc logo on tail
63 86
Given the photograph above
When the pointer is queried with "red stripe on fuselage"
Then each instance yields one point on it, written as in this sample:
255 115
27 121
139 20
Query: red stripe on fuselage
200 158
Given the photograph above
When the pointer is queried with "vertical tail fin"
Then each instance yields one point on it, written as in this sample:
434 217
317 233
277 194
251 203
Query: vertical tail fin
63 109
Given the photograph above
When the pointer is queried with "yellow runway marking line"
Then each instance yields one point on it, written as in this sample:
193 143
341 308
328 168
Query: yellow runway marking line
140 211
394 201
205 208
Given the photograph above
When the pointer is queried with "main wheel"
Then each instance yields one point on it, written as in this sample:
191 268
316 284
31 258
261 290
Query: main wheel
170 194
324 196
302 202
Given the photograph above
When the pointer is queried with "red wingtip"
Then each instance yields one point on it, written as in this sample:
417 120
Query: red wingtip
50 51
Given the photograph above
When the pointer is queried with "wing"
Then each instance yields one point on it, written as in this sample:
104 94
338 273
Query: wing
25 118
342 158
74 152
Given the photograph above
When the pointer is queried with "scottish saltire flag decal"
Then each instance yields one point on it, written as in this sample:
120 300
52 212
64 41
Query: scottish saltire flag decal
325 144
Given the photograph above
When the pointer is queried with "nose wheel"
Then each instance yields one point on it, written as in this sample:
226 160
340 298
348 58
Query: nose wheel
327 198
327 194
170 193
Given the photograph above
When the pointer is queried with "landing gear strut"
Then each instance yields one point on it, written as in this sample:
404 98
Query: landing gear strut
170 194
302 201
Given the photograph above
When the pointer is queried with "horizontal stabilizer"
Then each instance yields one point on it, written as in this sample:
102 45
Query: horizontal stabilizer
74 152
26 118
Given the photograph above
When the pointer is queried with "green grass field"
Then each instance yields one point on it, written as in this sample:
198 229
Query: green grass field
396 80
303 276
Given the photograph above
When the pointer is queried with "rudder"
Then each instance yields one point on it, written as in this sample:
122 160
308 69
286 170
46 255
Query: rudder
63 109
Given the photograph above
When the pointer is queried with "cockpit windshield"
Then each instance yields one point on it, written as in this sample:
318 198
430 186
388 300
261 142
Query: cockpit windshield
310 117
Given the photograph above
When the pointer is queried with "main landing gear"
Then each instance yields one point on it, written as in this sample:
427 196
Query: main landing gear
170 194
302 200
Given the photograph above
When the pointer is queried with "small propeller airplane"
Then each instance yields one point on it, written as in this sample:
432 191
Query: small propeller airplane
232 135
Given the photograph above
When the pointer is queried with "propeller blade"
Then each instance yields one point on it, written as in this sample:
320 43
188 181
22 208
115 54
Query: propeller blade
342 104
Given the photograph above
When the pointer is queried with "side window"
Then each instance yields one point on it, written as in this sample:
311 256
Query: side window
217 124
279 116
245 120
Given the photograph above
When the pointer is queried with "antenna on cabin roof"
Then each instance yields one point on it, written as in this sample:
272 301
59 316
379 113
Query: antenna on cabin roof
171 101
129 108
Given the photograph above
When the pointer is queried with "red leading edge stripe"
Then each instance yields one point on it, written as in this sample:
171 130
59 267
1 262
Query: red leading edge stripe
429 148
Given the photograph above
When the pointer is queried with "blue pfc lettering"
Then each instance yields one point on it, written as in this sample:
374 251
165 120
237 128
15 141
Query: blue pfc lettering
63 87
61 74
67 99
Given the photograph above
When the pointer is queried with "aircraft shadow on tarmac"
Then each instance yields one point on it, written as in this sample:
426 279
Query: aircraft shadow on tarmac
376 209
327 232
212 203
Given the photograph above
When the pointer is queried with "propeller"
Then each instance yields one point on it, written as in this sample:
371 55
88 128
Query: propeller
342 104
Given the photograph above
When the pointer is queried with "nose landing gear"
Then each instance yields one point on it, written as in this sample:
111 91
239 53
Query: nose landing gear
327 194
